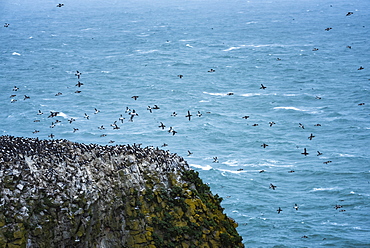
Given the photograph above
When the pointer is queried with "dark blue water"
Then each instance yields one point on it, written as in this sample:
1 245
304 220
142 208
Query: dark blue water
313 77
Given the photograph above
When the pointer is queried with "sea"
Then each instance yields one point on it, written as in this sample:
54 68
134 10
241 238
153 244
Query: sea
267 99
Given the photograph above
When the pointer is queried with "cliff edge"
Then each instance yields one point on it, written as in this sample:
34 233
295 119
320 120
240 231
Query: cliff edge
57 193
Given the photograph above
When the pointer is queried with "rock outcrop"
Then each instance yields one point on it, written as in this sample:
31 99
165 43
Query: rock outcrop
57 193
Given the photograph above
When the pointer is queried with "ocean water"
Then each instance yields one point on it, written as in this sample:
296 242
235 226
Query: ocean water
314 85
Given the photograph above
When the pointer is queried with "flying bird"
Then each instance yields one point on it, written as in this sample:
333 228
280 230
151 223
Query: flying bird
188 115
305 152
133 114
78 74
272 186
162 125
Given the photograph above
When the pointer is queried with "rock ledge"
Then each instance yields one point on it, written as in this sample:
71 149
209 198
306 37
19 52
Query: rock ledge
57 193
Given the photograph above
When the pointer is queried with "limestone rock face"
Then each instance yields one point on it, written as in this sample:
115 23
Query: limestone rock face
57 193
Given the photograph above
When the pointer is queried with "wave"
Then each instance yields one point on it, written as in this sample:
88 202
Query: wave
15 53
346 155
276 164
231 171
291 108
251 94
231 48
334 223
325 189
63 115
146 52
206 167
231 163
215 94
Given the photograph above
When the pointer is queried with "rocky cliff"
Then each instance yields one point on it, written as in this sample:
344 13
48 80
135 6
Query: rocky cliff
57 193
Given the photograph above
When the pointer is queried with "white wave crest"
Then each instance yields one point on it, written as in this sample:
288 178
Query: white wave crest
231 48
207 167
63 115
251 94
325 189
231 162
215 94
232 171
291 108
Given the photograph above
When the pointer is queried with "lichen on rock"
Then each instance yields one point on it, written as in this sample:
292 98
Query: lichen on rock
57 193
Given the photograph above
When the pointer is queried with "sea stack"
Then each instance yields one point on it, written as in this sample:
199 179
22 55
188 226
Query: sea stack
58 193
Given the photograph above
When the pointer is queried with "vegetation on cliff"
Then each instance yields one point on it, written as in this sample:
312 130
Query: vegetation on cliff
57 193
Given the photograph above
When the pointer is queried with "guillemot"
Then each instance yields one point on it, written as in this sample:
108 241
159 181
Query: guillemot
311 136
305 152
78 74
272 186
133 114
121 118
162 125
188 115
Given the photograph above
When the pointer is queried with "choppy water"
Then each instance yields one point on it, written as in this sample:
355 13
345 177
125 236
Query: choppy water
128 48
